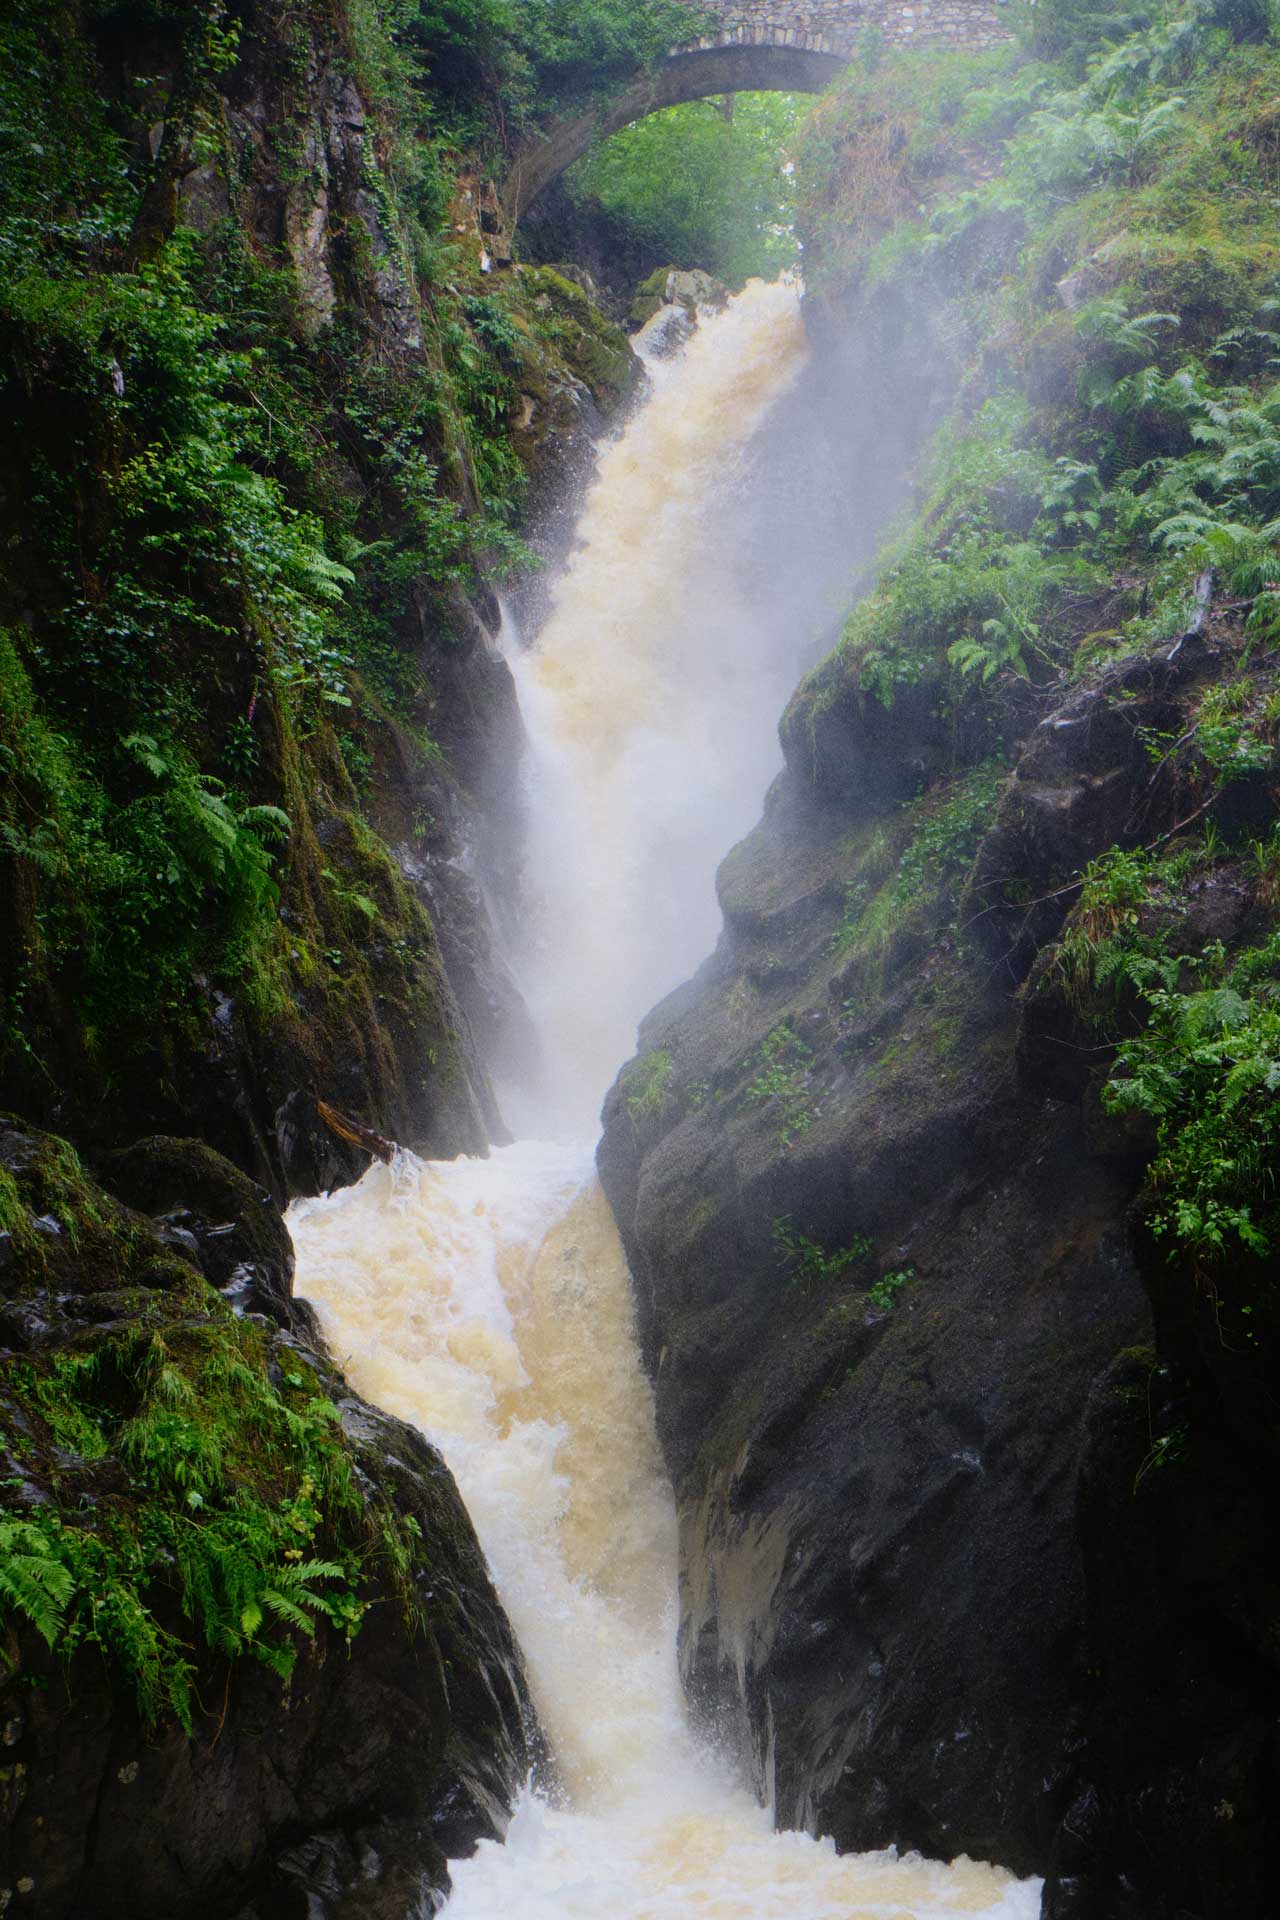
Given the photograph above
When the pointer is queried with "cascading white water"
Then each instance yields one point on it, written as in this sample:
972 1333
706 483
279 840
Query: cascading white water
488 1300
651 702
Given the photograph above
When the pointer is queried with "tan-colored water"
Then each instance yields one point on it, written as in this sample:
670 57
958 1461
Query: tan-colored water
488 1300
651 701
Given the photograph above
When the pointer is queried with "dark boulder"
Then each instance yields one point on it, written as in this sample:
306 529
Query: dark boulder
339 1795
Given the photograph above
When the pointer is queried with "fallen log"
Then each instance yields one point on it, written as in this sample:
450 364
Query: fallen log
354 1133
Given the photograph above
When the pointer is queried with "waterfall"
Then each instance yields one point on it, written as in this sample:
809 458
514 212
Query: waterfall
488 1301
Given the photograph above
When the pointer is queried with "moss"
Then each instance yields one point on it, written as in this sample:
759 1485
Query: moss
647 1086
248 558
197 1494
570 330
649 296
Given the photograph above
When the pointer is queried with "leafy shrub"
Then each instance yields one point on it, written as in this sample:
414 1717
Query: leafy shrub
1207 1071
701 190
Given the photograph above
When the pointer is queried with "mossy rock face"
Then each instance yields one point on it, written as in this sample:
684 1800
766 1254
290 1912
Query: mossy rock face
855 1341
158 1427
577 370
238 1230
587 340
649 295
859 1063
853 1066
138 990
687 287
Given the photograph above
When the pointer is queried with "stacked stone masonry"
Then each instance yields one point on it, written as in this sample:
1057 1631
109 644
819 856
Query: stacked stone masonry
837 26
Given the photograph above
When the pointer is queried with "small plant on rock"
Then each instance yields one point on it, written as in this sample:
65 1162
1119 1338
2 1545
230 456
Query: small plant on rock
783 1060
807 1263
887 1288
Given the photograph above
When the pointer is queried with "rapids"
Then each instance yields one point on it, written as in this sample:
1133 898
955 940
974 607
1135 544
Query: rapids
488 1301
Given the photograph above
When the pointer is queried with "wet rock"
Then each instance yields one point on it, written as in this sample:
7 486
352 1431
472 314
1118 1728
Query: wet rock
210 1211
972 1550
686 287
340 1796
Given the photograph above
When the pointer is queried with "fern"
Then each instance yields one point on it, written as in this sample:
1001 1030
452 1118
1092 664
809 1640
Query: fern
1207 1070
33 1579
1108 320
1002 647
1220 1010
244 1506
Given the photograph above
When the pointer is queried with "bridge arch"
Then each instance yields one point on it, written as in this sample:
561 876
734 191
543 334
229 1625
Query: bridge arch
688 73
759 46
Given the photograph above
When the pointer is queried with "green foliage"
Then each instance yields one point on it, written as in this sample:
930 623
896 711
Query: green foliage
1100 234
886 1289
184 497
1060 150
781 1081
481 61
702 190
910 872
198 1494
1115 943
1140 182
1206 1069
809 1265
996 551
33 1580
227 526
235 1482
1092 33
1166 1450
648 1086
200 841
1230 731
946 837
1074 30
578 46
172 871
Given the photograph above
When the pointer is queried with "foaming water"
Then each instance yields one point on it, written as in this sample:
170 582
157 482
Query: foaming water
488 1301
651 702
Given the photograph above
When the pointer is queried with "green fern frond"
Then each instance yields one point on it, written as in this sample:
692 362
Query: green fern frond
33 1579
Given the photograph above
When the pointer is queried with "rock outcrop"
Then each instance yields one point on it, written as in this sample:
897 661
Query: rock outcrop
269 407
338 1791
910 1355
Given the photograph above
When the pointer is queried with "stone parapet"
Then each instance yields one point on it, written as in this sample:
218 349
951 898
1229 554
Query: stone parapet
836 26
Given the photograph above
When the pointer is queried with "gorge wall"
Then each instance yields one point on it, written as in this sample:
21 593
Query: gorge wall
264 411
957 1387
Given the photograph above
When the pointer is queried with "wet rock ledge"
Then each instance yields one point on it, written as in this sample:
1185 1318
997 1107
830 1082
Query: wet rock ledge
953 1575
158 1381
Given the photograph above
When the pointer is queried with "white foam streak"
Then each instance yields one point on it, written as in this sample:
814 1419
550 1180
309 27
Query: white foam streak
651 701
489 1302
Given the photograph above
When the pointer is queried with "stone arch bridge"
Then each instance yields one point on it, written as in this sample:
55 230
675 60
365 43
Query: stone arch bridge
753 46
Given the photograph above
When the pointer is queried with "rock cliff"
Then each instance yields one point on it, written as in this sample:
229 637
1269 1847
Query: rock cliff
269 417
944 1182
274 1675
